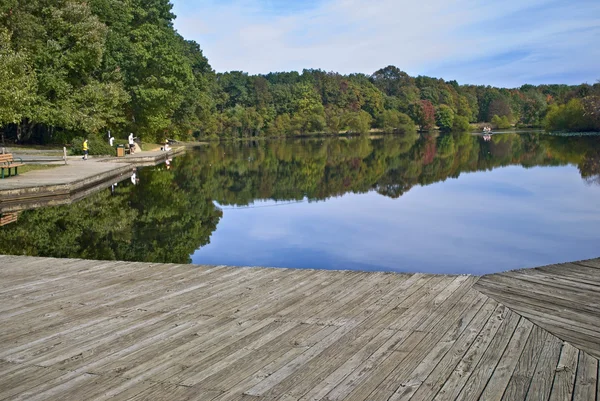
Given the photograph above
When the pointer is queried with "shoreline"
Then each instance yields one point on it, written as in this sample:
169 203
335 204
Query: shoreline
73 181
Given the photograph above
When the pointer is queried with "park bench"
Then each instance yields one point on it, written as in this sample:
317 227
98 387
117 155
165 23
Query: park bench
7 218
7 161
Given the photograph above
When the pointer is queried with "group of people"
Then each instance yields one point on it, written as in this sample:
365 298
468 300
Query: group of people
131 141
487 133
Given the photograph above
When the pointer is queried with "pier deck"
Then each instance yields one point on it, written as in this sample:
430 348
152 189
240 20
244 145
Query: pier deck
73 181
79 329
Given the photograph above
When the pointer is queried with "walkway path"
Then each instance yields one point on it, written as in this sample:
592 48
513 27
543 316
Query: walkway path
78 330
67 183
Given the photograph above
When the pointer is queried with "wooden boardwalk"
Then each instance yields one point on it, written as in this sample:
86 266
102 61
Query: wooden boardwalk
79 330
563 299
69 183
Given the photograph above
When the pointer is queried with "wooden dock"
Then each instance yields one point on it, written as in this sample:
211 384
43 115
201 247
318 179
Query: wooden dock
76 180
96 330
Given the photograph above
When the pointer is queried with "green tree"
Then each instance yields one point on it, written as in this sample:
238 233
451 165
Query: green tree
570 116
461 124
17 82
392 120
500 122
309 113
66 45
444 117
358 122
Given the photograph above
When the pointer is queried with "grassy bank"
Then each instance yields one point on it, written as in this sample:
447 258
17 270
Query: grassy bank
33 167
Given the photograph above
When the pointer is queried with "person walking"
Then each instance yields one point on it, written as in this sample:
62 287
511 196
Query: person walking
131 143
85 149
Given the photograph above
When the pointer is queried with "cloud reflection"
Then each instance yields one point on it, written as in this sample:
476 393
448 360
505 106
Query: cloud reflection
479 223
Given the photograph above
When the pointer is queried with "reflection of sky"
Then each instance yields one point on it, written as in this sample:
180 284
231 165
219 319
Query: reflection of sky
479 223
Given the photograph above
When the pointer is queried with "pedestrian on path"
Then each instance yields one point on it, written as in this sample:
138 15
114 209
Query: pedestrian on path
85 149
131 143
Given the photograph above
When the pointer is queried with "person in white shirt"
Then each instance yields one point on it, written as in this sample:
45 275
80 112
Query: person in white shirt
131 143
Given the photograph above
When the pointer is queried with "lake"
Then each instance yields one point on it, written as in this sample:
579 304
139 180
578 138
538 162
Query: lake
431 203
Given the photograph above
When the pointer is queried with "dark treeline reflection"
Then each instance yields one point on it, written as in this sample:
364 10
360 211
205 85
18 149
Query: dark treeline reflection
239 173
162 219
171 213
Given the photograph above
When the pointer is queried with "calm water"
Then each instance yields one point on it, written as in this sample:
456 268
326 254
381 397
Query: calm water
442 204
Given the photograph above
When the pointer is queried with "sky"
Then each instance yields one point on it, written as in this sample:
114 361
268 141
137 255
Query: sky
501 43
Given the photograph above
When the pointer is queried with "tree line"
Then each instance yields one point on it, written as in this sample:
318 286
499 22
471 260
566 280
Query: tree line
76 68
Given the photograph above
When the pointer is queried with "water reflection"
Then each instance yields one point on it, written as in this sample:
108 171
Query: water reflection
389 206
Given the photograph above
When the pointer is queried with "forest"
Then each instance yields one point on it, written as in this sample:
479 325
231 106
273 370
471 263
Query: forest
75 68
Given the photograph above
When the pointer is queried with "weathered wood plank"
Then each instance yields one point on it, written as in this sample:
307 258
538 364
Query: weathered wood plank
543 377
244 368
301 346
503 371
564 378
523 373
462 320
473 372
586 379
485 321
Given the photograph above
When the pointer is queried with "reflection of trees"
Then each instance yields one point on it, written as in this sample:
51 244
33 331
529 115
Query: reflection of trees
590 167
162 220
239 173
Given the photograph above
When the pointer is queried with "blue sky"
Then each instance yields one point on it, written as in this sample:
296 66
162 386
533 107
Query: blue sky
502 43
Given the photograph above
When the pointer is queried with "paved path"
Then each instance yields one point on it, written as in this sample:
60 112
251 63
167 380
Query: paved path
74 171
79 330
68 183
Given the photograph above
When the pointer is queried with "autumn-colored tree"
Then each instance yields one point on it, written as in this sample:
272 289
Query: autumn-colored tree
428 114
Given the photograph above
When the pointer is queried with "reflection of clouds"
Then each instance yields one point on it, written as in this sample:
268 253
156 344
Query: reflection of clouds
268 232
472 224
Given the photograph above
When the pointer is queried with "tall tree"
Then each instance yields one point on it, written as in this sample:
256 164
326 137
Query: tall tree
17 82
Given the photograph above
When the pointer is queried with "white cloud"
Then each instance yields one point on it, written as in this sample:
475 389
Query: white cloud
427 37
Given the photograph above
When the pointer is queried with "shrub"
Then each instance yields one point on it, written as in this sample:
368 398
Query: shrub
461 124
393 120
96 145
570 116
501 122
358 122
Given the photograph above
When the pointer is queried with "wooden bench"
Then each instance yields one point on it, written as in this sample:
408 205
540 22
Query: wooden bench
7 161
8 218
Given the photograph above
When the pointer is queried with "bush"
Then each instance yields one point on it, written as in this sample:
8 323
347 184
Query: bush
568 117
393 120
461 124
96 145
501 122
358 122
